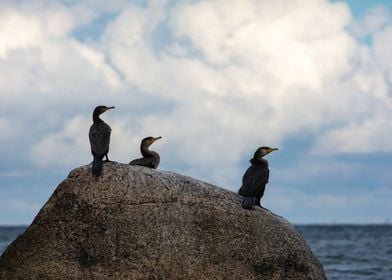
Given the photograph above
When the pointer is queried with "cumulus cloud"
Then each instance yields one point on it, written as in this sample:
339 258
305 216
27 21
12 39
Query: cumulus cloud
373 21
63 147
259 75
215 78
366 130
367 137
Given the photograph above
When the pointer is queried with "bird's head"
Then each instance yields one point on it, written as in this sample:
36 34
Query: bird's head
263 151
101 109
149 140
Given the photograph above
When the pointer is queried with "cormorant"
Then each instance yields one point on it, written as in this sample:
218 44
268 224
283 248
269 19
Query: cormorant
150 158
255 178
99 136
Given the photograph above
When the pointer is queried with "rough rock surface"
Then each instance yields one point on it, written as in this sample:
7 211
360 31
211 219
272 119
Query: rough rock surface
138 223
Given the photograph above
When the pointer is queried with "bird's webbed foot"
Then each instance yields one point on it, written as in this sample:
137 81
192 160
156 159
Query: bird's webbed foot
248 202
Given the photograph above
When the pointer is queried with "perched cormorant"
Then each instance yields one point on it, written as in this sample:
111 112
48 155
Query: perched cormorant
255 178
150 158
99 136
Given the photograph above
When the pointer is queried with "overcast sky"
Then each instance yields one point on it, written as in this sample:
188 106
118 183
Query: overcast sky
216 79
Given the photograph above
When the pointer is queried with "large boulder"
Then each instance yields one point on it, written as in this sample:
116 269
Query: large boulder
138 223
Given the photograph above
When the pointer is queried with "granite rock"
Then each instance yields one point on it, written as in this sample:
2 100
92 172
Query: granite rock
138 223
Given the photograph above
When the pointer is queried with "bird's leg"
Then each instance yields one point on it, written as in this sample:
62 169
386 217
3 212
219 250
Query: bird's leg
107 159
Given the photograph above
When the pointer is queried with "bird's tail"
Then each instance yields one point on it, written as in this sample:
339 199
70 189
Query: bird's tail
97 166
248 202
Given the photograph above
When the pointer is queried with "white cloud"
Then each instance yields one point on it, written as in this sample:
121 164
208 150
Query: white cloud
63 148
370 136
373 21
382 51
230 76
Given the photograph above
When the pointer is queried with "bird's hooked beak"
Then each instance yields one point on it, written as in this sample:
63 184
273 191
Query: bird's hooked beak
157 138
108 108
269 150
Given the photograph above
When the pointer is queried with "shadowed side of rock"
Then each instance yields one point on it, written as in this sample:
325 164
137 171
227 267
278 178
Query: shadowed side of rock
138 223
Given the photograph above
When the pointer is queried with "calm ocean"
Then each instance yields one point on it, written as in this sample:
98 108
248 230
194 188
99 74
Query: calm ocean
346 251
351 251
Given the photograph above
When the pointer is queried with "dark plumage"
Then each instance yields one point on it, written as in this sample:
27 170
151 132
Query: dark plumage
150 158
99 136
255 178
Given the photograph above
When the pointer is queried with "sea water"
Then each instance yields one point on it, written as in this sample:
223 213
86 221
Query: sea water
352 251
8 234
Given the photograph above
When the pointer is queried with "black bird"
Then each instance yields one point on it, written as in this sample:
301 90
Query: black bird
150 158
99 136
255 178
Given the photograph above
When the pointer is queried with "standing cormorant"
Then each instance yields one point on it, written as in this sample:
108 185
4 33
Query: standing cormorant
99 136
255 178
150 158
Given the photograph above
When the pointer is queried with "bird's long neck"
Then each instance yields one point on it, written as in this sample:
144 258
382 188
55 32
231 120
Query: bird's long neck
258 161
144 149
96 118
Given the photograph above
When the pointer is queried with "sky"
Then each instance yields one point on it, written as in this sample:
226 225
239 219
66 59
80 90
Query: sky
216 79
